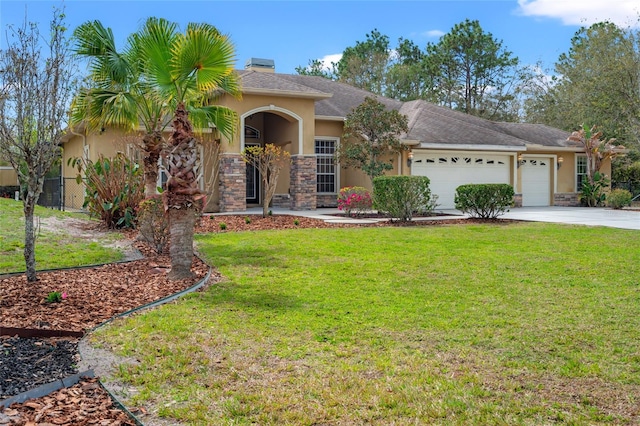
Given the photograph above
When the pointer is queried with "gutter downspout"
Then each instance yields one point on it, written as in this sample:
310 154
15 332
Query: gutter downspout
84 145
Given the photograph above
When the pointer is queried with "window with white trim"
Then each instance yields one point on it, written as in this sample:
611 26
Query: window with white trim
326 177
581 171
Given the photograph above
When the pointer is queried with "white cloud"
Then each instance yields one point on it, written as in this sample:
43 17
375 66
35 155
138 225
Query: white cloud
584 12
328 59
434 33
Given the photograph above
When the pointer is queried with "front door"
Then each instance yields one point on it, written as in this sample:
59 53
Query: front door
253 183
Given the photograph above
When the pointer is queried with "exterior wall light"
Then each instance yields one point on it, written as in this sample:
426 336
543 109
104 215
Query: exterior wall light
409 158
520 160
560 161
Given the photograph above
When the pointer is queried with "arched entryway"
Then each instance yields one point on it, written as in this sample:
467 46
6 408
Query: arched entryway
270 125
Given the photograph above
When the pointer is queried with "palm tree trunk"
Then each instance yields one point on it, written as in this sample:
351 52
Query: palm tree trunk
182 194
181 224
152 145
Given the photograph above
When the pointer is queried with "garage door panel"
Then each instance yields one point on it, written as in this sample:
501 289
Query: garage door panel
447 171
536 182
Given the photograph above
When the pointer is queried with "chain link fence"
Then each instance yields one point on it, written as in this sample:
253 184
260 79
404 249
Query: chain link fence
73 195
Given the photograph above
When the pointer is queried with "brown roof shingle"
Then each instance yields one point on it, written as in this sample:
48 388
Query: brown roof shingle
428 123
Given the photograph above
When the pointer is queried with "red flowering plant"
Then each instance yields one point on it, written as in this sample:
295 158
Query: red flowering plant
354 200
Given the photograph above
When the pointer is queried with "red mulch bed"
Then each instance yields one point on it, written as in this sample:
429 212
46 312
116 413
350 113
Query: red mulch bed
85 403
94 295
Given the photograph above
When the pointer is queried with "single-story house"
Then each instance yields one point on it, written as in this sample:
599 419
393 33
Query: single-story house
305 115
8 178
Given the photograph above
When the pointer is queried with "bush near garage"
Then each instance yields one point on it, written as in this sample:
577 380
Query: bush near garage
485 200
400 197
619 198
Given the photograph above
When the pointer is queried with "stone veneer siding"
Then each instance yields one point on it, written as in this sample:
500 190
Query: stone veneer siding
327 200
566 199
233 188
281 200
303 183
517 200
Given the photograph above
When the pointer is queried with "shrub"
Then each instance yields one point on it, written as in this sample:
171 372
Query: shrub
619 198
399 197
155 228
114 188
223 226
486 201
9 191
594 194
354 200
247 220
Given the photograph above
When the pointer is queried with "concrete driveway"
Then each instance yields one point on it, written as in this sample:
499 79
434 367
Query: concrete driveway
625 219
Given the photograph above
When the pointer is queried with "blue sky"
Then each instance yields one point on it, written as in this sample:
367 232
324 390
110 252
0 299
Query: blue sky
293 32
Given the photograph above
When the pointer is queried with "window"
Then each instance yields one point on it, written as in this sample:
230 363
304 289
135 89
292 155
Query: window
581 171
251 132
325 165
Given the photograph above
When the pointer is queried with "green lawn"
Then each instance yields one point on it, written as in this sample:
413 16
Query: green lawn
53 249
481 324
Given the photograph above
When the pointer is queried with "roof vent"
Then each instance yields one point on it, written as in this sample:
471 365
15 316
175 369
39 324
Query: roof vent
263 65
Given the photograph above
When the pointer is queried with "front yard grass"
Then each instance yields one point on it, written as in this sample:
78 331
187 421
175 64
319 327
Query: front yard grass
522 323
53 249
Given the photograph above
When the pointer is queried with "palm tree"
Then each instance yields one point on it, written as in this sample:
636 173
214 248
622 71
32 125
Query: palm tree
116 95
162 77
187 70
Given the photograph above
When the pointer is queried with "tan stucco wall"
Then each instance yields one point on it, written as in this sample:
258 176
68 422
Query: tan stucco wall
355 177
8 176
283 107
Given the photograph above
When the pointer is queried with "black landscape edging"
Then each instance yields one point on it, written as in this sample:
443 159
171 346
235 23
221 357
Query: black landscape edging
72 268
46 389
120 406
38 332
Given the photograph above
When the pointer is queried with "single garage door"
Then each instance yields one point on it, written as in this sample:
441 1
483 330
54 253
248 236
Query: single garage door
536 181
447 171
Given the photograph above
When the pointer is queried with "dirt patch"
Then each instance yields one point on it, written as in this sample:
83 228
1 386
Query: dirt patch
91 231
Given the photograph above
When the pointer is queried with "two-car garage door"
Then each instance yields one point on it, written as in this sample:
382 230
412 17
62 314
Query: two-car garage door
447 171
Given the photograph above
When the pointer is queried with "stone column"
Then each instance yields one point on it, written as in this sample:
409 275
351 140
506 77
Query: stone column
233 187
303 182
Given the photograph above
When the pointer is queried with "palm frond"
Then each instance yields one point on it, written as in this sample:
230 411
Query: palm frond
154 41
204 55
95 42
224 119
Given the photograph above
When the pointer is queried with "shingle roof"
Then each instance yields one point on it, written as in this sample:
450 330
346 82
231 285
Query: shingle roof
428 123
254 81
537 134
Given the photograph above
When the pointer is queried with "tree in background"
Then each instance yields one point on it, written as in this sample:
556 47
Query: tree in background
36 83
473 72
317 68
370 133
407 79
467 70
598 81
365 65
269 161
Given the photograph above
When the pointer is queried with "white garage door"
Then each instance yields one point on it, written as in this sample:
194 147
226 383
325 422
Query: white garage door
536 181
449 170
